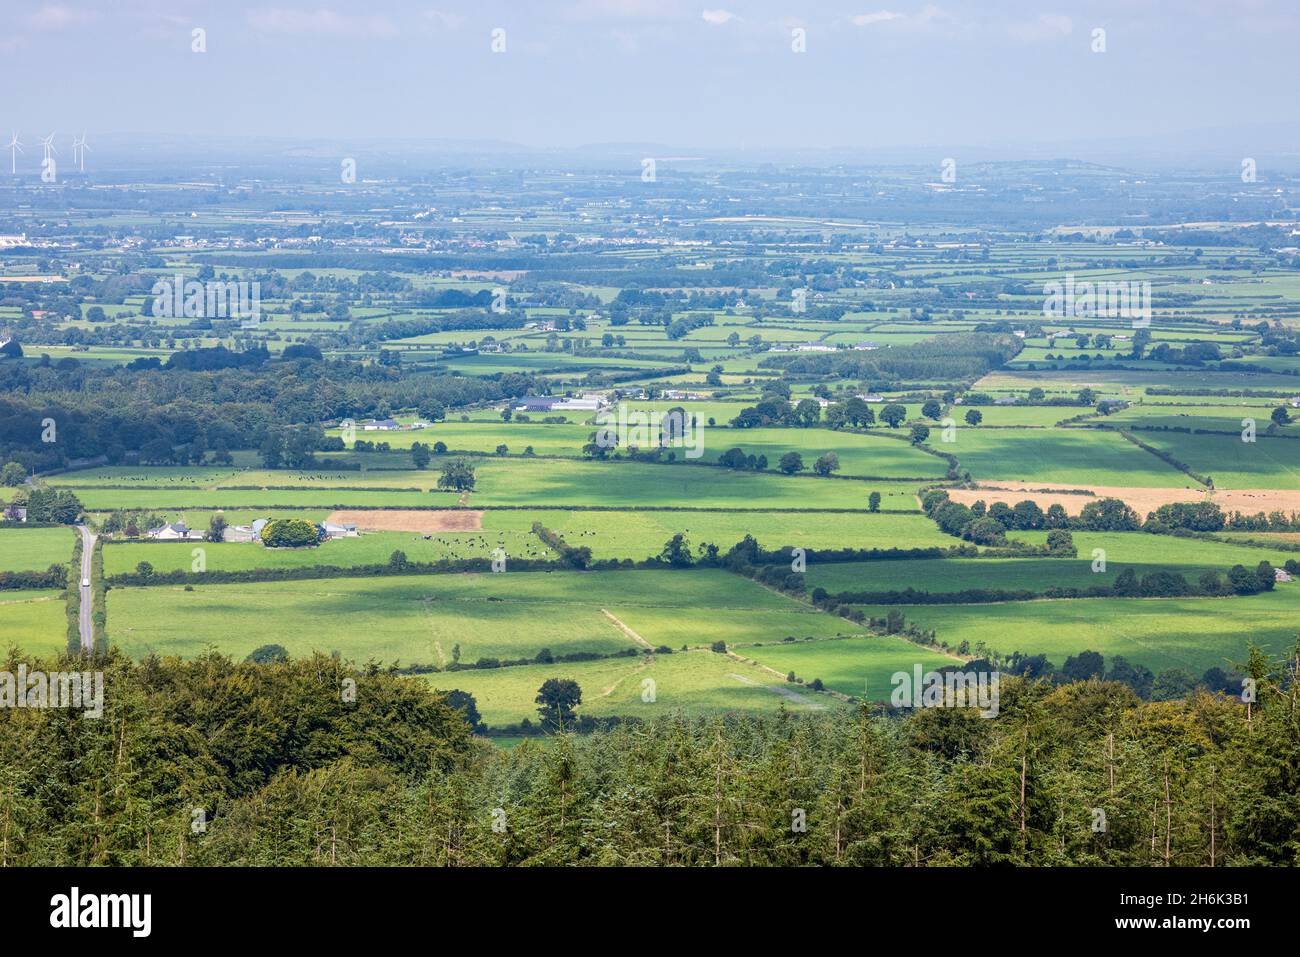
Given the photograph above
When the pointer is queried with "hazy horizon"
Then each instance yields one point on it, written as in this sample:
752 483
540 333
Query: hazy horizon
1017 78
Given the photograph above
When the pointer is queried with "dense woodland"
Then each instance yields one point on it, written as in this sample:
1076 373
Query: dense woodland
288 772
186 412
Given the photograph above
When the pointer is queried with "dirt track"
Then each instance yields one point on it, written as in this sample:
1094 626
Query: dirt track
410 520
1142 500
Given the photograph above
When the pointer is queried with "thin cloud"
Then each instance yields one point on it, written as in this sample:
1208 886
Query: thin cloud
619 9
880 16
443 21
927 16
281 20
54 17
1048 26
718 17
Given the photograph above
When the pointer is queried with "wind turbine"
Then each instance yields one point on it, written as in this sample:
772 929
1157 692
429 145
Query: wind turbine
14 149
48 143
80 145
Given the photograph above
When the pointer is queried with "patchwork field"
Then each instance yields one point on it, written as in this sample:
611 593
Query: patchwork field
34 549
860 667
691 682
395 520
1160 633
35 622
1266 463
420 620
1143 500
1141 551
1068 456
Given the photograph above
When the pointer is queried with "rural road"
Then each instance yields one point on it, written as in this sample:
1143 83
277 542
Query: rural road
87 600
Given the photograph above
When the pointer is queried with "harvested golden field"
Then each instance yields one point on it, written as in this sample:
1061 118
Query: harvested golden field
1142 500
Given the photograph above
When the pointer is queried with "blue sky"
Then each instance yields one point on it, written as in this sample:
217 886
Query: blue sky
720 74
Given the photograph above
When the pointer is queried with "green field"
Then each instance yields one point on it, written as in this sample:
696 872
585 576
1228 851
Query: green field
500 481
1268 462
1141 551
419 619
34 549
691 682
372 548
634 534
860 667
1160 633
1068 456
33 621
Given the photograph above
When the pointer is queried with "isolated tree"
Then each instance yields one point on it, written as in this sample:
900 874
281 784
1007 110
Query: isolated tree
420 454
217 527
893 415
932 409
556 700
974 416
457 476
826 464
1280 415
873 502
790 463
920 433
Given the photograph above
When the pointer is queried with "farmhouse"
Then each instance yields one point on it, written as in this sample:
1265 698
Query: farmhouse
381 425
174 531
14 513
335 530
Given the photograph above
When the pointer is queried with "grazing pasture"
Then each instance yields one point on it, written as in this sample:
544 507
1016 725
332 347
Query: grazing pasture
1159 633
689 682
33 621
34 549
420 619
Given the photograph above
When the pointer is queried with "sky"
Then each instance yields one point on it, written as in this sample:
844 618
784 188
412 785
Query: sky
719 75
